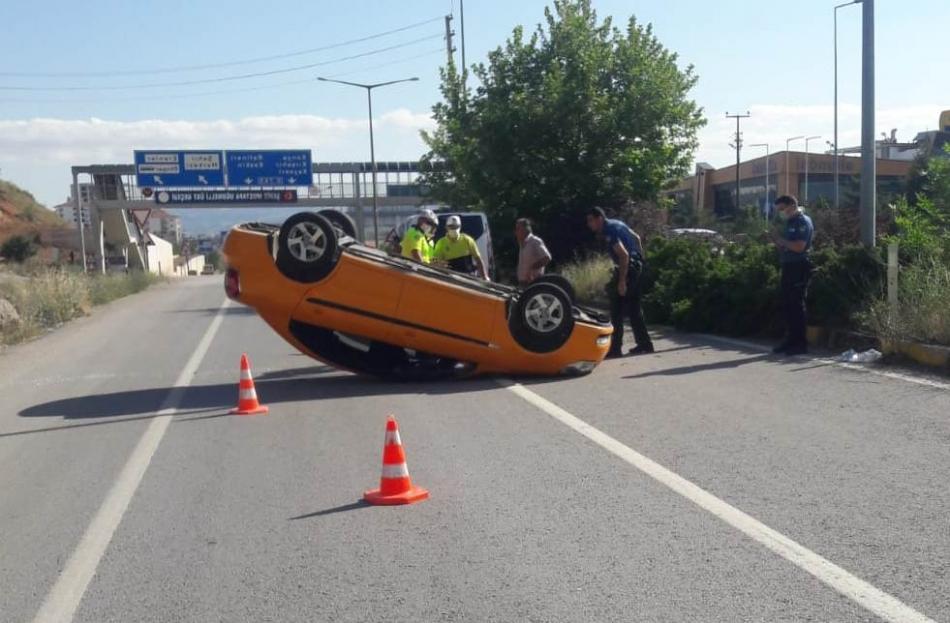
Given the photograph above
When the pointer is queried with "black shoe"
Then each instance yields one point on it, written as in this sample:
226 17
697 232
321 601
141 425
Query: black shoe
614 354
780 349
791 351
642 349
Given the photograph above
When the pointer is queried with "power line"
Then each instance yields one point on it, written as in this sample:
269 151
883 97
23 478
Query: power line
176 96
249 61
273 72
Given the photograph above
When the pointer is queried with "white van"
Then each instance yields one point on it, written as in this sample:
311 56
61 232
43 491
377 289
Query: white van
475 224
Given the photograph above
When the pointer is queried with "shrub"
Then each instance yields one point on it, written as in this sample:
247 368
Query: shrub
18 249
924 298
589 278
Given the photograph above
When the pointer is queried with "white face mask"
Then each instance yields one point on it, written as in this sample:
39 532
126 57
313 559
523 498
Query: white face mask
453 234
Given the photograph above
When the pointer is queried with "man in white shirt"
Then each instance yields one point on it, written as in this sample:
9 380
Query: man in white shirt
533 256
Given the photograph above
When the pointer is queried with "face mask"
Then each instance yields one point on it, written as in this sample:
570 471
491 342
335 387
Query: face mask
453 234
426 228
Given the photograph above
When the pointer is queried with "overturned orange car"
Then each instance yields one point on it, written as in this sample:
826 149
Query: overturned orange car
362 310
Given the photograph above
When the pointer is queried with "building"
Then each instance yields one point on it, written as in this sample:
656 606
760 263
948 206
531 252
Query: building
67 209
165 225
807 176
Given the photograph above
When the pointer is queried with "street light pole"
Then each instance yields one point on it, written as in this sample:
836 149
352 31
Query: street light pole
372 147
868 146
788 161
807 139
837 205
766 145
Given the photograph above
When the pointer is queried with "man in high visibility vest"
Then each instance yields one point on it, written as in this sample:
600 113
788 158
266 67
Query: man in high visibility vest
459 251
417 243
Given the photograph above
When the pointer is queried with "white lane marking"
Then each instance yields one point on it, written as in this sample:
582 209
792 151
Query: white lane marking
841 364
63 599
851 586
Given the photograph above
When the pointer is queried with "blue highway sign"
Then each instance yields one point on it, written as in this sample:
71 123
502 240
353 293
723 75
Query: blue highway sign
270 168
164 168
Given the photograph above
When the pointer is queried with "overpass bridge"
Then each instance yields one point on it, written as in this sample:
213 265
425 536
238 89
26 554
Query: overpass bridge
119 209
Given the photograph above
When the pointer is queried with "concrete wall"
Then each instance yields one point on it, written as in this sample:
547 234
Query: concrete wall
194 263
161 259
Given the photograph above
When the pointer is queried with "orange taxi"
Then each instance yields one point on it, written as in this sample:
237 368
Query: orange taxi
362 310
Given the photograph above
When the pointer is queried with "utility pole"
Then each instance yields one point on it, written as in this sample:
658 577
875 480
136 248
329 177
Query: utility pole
449 48
868 151
464 66
738 149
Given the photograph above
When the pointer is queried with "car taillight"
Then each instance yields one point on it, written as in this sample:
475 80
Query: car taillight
232 284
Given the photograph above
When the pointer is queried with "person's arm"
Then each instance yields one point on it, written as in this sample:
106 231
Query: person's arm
417 255
480 263
623 265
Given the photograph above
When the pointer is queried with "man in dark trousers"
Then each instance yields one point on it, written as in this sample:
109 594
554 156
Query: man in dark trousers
794 245
626 251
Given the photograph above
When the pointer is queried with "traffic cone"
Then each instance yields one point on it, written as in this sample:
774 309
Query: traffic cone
395 487
247 396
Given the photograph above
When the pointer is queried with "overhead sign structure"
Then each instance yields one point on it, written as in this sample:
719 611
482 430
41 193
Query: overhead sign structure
154 169
172 197
270 168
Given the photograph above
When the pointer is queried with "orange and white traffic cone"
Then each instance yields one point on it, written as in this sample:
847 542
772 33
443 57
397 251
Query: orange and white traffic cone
247 395
395 487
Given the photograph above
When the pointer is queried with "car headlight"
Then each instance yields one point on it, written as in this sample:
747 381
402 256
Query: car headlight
579 367
603 340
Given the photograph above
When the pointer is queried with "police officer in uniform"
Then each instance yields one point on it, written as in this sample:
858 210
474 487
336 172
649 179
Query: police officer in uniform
459 251
417 243
626 251
794 245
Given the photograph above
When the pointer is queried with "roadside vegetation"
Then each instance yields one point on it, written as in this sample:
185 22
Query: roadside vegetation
45 298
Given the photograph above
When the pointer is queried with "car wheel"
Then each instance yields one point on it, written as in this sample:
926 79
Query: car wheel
307 247
560 282
543 318
342 222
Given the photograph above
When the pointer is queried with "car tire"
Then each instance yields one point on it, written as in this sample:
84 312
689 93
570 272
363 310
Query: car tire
560 282
341 221
307 247
542 319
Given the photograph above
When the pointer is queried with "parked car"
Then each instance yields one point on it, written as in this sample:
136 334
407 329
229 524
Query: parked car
475 224
208 269
363 310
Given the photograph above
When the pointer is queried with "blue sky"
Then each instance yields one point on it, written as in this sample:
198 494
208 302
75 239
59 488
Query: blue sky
773 58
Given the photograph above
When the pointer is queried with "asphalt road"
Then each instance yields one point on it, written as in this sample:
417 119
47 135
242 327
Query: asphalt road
123 498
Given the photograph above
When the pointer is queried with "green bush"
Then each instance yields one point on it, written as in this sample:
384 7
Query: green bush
922 314
845 282
18 249
589 278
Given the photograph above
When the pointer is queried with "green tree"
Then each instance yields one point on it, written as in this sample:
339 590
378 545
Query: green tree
578 114
18 249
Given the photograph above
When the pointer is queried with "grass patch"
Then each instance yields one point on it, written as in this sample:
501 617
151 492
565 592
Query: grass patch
923 312
50 297
589 278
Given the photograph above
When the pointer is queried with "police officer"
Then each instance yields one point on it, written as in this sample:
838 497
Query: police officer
459 251
417 243
794 246
626 251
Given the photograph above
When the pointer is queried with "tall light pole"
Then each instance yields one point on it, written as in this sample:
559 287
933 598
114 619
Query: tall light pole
836 95
807 139
766 145
868 151
788 160
738 150
372 148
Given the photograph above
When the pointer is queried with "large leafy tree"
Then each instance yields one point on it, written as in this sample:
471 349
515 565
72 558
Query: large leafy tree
578 114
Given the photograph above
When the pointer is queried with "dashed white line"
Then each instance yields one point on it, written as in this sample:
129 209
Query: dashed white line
873 599
63 599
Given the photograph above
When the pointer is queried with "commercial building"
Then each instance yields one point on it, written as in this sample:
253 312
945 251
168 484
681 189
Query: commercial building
807 176
67 210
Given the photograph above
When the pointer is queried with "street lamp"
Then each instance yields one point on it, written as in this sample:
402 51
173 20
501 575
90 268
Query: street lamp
788 161
836 93
372 149
807 139
766 145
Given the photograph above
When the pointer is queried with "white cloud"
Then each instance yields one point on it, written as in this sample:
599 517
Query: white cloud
774 123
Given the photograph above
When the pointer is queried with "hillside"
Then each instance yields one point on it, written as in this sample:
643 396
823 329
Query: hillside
21 214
